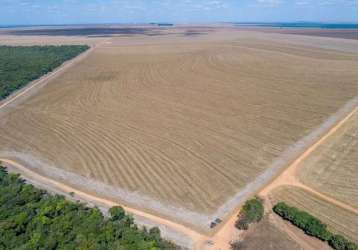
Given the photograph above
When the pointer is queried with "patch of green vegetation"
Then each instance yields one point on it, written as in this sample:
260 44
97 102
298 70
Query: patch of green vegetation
251 212
312 226
33 219
19 65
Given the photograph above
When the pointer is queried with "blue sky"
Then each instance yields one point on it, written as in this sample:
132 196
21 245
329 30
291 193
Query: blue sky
183 11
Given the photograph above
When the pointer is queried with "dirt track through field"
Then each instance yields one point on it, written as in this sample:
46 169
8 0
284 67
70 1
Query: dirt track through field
303 240
130 119
289 175
165 119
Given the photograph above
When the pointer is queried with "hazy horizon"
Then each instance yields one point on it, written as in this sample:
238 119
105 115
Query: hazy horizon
65 12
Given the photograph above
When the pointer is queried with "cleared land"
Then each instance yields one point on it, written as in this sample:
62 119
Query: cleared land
334 33
338 220
332 168
177 125
266 236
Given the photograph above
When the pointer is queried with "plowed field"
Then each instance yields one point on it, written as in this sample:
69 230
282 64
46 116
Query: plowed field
333 168
337 219
177 126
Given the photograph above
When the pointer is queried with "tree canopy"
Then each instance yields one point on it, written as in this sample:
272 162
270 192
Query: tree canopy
21 64
251 212
313 226
31 218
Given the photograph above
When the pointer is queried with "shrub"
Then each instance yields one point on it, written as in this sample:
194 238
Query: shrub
251 212
338 242
117 213
237 245
242 223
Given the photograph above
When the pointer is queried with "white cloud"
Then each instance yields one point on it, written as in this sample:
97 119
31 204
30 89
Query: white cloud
269 2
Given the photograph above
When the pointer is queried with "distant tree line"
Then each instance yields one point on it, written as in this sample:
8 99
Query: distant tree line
313 226
21 64
252 211
31 218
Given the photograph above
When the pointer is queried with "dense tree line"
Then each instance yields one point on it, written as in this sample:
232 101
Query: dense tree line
34 219
313 226
252 211
19 65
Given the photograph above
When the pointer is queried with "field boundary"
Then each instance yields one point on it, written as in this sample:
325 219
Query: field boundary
59 187
223 233
42 81
289 178
289 175
227 211
283 162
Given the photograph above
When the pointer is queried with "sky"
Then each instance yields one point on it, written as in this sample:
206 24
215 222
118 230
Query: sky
32 12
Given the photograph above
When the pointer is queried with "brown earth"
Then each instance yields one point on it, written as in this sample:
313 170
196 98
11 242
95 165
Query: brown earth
267 236
340 216
332 168
339 220
333 33
177 124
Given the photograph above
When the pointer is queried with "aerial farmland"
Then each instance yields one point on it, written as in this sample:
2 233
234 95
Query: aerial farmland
181 122
182 125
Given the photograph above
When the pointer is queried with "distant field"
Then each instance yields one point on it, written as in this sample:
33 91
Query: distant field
20 65
178 124
333 167
323 32
337 219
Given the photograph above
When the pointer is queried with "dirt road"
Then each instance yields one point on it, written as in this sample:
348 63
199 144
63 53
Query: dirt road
289 176
198 239
31 175
219 241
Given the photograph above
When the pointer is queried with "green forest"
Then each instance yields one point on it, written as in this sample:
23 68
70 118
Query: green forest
21 64
31 218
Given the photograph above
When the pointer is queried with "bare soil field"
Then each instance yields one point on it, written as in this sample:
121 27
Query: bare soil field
338 220
332 168
14 40
178 124
334 33
266 236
